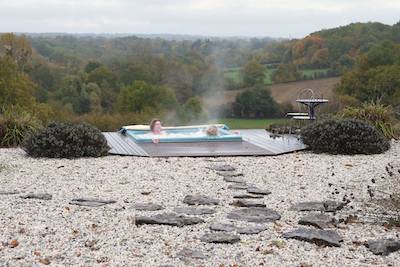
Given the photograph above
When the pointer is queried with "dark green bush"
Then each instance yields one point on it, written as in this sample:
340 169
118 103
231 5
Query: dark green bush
65 140
345 136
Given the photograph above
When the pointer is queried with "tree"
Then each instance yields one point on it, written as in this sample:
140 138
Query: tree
15 87
192 111
286 73
256 102
141 96
103 76
253 73
375 77
16 47
320 58
73 93
92 65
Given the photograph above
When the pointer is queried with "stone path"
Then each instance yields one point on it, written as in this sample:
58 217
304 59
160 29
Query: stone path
249 215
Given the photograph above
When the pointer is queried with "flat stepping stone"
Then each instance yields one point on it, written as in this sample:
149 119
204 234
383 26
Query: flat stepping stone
238 186
14 192
257 191
327 206
91 202
383 246
247 203
251 230
194 211
316 236
200 200
190 253
40 196
148 206
319 220
222 168
234 179
223 227
256 215
220 237
244 195
246 230
171 219
230 174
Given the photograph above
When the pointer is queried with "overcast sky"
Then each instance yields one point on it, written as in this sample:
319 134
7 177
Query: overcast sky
275 18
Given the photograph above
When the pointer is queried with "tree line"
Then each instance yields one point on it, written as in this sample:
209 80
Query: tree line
109 80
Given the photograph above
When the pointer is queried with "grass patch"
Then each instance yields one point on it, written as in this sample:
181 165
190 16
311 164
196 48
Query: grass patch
234 123
393 222
311 72
235 75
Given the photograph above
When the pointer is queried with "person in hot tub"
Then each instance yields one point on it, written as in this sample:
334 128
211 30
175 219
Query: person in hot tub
212 130
156 129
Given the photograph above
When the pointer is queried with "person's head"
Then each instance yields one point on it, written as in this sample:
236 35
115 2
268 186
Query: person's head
155 126
212 130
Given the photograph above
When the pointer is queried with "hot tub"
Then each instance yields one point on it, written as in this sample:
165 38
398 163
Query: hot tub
188 134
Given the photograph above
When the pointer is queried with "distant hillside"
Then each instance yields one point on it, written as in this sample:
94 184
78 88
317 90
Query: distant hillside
334 48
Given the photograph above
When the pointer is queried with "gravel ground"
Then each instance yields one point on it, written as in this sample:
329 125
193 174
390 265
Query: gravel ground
53 232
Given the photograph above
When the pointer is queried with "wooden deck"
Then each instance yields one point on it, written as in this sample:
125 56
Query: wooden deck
255 143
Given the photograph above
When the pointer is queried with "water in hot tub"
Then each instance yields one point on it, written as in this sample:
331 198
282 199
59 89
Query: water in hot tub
170 134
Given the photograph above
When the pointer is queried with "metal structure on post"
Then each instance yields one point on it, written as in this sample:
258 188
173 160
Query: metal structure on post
308 99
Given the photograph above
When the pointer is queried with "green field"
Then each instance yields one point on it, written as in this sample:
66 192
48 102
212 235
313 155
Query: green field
235 75
248 123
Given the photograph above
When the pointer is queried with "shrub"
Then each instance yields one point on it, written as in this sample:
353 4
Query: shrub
15 124
381 116
256 102
345 136
192 111
65 140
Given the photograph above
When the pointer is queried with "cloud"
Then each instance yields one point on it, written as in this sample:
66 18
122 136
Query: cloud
277 18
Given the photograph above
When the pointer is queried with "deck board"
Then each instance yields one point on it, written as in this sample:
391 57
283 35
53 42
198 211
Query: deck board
255 143
278 145
123 145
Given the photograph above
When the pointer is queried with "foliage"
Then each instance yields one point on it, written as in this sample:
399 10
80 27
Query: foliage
256 102
253 73
141 96
286 73
15 125
15 87
77 78
192 111
335 48
393 222
344 136
64 140
17 48
375 77
379 115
